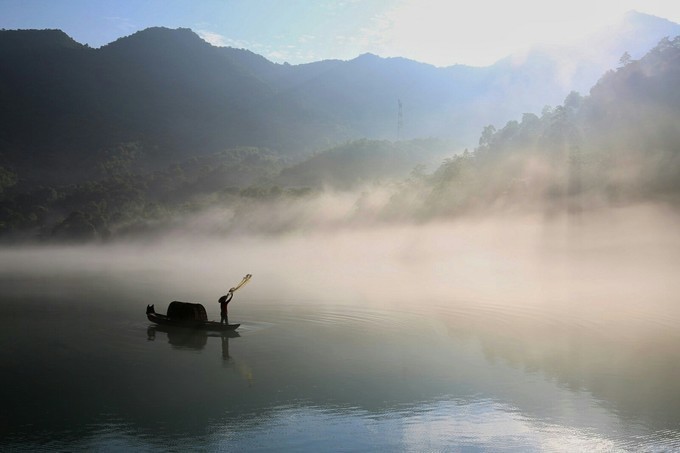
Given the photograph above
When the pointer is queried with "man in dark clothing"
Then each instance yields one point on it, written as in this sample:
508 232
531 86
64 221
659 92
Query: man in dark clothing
224 301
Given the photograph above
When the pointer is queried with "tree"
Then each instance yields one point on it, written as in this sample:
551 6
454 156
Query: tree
76 227
487 135
573 100
7 179
625 59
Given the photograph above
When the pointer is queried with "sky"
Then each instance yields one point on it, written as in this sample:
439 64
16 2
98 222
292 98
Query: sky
438 32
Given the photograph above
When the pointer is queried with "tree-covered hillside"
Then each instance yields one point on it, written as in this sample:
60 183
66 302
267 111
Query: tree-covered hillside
64 105
364 162
125 198
620 144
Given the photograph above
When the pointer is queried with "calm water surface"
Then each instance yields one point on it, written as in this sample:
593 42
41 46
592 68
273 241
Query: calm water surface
82 369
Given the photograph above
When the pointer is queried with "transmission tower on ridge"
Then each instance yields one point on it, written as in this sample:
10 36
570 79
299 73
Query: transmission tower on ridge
400 120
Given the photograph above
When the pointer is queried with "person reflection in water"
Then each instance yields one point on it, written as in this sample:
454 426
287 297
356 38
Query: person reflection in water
225 347
224 301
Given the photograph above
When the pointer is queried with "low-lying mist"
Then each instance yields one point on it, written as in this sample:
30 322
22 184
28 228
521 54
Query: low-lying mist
615 262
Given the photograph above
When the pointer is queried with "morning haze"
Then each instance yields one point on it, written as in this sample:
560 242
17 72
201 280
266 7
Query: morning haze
443 258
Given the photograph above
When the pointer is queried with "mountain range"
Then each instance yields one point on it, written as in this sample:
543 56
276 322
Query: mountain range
114 170
64 105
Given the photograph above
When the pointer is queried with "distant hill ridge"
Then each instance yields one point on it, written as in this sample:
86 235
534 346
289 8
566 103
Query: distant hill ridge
27 40
179 96
616 146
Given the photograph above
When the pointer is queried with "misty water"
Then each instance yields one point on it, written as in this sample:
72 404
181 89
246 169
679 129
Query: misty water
504 334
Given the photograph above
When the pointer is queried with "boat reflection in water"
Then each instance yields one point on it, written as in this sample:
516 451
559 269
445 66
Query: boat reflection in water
183 338
196 340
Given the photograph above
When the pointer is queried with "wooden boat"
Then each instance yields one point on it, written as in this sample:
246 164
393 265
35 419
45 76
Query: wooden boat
187 315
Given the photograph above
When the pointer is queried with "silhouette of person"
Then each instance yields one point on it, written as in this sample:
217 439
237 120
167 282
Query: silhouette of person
224 301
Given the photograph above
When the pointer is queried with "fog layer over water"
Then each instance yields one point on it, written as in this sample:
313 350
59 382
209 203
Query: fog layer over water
518 332
628 254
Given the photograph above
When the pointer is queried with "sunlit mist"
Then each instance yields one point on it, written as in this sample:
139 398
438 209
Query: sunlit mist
339 225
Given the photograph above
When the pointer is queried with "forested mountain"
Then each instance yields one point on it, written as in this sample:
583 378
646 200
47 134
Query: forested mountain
65 107
81 162
364 162
619 145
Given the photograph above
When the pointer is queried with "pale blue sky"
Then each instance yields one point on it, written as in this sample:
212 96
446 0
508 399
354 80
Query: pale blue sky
440 32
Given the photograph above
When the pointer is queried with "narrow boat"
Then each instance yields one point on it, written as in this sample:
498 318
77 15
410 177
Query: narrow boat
187 315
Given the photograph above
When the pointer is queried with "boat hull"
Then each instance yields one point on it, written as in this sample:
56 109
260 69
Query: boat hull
163 320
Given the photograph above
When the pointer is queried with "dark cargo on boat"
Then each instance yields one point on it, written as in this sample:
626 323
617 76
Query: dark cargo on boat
185 311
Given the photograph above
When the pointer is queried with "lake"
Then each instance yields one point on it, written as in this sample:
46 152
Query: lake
445 337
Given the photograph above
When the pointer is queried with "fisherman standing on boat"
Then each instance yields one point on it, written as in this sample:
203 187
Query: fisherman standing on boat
224 301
